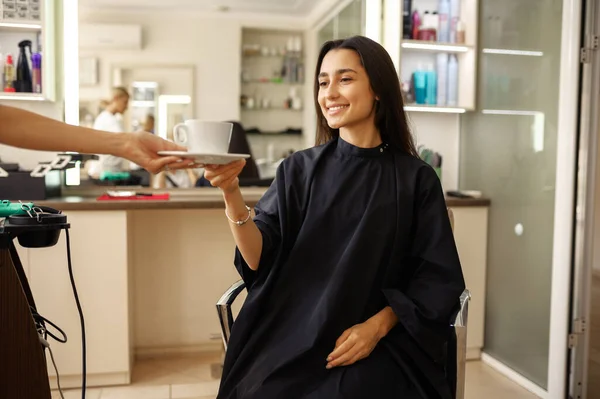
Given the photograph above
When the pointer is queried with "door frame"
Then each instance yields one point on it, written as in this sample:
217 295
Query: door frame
566 168
584 217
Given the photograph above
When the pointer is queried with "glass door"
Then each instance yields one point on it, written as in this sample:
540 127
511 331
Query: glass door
350 21
584 339
508 150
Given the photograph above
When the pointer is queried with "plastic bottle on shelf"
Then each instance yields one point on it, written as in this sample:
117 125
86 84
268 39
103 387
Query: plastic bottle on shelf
430 85
452 80
454 18
444 24
36 72
9 74
442 82
460 33
1 72
23 83
420 85
407 20
416 24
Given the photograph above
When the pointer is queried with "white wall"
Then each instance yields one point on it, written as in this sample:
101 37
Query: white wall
210 42
26 158
441 133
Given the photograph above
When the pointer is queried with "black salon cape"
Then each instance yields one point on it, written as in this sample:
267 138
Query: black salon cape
346 232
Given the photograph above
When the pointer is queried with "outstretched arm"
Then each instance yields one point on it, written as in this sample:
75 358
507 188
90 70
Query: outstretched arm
24 129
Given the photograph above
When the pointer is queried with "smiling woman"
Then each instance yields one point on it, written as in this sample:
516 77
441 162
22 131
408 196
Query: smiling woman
350 262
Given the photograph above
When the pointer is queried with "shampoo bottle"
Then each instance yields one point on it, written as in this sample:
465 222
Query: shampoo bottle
420 86
454 18
442 74
452 80
444 24
36 66
431 86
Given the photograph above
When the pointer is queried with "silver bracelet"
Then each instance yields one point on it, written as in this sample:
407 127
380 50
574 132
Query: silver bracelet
239 222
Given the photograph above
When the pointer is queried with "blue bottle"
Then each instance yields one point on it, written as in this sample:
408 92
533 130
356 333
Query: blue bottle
420 86
431 87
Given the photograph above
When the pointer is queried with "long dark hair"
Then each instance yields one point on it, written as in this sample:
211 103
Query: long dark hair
390 118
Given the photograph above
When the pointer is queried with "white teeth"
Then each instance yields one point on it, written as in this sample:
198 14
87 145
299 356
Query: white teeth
338 108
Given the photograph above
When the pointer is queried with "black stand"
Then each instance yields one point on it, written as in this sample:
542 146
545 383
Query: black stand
23 372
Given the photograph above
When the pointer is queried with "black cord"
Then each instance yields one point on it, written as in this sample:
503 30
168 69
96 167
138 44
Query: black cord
41 324
83 384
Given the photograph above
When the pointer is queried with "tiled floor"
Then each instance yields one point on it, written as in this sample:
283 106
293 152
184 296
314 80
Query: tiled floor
190 378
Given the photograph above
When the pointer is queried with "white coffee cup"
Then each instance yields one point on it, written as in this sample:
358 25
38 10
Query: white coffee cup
203 136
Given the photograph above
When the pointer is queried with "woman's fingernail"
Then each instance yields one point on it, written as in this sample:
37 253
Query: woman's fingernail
329 359
328 367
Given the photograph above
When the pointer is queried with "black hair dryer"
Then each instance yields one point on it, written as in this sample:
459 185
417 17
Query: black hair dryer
23 82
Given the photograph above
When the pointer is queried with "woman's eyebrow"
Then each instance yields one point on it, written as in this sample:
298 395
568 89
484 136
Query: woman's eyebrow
338 72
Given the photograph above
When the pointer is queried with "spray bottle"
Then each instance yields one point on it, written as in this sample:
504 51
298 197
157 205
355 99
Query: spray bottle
23 83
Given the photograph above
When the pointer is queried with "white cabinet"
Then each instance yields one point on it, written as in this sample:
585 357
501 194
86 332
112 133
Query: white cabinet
100 266
34 21
471 234
410 54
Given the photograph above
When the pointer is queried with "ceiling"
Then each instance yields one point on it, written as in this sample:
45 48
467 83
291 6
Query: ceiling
274 7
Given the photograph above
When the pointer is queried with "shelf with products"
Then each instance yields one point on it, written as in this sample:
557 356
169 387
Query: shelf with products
423 45
439 82
27 50
413 107
272 86
438 50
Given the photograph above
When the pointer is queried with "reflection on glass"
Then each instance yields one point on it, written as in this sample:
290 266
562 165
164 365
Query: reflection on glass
508 151
349 22
172 109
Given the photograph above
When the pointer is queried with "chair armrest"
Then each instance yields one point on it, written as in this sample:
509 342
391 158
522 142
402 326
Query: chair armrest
224 309
461 318
231 294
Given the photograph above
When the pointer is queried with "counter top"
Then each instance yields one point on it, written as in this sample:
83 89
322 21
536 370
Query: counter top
199 198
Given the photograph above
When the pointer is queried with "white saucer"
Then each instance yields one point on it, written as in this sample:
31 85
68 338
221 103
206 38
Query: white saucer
206 159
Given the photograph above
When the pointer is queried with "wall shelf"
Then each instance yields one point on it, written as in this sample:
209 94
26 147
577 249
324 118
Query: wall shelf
526 53
511 112
411 55
12 26
40 31
143 104
22 96
435 109
419 45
